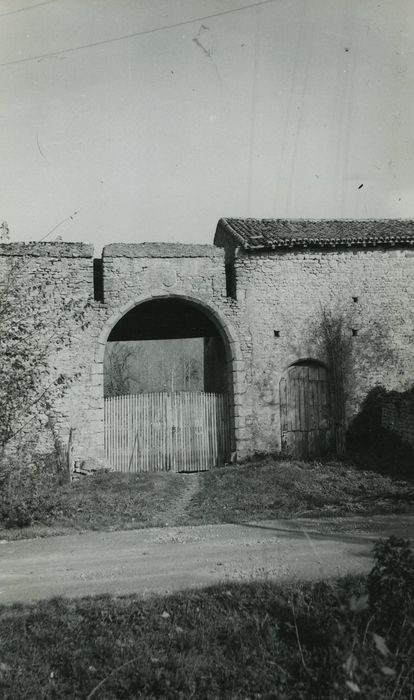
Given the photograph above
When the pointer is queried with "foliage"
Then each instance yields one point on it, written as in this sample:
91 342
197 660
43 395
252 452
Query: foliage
386 616
153 365
35 325
391 581
33 330
371 445
316 641
117 370
104 500
336 344
28 490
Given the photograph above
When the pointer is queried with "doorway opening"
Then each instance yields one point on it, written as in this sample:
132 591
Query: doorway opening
167 389
305 410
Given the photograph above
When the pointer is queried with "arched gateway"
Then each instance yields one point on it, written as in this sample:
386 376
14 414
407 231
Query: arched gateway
168 388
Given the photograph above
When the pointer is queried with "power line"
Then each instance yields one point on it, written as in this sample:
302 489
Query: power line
135 34
59 224
24 9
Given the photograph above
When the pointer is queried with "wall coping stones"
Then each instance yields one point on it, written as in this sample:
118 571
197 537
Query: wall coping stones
160 250
270 234
46 249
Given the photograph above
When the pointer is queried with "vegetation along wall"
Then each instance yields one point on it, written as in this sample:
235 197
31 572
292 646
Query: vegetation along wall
299 320
398 415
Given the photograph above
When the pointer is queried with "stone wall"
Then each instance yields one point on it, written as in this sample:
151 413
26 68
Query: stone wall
271 323
134 274
280 296
65 270
130 271
398 415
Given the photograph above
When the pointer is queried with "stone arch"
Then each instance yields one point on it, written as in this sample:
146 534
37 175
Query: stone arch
311 361
234 361
223 326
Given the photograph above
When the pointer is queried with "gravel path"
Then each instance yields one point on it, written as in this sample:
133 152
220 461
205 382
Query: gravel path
175 558
176 512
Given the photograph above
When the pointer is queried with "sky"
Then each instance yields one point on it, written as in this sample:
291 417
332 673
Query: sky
148 120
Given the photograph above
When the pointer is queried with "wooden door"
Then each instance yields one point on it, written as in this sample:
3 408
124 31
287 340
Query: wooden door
305 411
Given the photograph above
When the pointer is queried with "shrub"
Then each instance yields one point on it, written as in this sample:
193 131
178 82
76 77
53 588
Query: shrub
27 488
371 445
391 581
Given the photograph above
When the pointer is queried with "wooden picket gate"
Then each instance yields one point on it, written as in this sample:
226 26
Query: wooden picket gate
178 431
305 411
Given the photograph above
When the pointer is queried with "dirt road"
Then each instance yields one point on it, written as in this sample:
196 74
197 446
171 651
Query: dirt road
168 559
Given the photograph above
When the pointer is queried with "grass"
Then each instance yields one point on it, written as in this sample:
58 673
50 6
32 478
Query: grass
105 500
271 488
262 489
251 640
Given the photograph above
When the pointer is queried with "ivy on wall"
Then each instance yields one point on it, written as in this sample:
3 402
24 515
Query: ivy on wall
33 330
337 348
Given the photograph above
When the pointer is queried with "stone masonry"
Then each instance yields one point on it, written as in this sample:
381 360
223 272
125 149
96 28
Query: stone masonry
263 284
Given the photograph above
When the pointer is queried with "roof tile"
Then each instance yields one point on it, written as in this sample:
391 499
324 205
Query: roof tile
268 234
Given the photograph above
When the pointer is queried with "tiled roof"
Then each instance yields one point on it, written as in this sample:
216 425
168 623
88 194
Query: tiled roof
268 234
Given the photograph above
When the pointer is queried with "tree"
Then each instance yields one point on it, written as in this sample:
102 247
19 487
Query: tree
191 373
158 365
36 323
33 330
117 369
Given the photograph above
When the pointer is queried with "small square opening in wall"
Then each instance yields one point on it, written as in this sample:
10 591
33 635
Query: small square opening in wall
355 300
276 334
354 331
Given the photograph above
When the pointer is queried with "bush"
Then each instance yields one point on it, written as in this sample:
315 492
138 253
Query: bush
27 488
374 633
391 581
370 445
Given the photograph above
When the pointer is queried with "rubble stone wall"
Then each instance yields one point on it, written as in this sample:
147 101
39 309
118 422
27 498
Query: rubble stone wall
280 297
65 270
134 274
272 323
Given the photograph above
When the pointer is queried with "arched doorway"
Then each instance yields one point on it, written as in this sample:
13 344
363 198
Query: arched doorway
168 388
305 410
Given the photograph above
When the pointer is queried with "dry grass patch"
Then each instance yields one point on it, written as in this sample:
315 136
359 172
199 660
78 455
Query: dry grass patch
260 490
272 488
